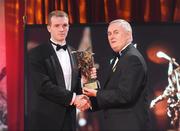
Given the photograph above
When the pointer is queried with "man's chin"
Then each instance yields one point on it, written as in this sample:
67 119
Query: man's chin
61 40
115 49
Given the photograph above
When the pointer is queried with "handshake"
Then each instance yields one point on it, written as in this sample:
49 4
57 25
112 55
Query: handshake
82 102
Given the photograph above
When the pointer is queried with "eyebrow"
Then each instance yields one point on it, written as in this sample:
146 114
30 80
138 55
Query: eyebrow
113 31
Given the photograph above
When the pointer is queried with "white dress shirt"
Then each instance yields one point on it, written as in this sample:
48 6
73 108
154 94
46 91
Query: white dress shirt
64 59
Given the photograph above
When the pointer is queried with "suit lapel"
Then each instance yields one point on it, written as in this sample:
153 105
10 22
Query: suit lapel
74 67
57 67
110 72
124 52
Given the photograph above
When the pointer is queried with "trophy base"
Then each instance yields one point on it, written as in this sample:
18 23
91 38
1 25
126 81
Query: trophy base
92 85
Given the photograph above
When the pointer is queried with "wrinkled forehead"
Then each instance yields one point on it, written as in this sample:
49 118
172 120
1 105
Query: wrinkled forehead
115 26
120 25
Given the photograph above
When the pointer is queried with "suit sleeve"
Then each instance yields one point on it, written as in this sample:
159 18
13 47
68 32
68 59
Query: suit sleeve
43 85
128 87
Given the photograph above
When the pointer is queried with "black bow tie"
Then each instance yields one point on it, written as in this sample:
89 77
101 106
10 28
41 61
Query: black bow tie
58 47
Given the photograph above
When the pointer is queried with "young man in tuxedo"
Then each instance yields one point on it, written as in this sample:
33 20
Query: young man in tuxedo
55 80
124 95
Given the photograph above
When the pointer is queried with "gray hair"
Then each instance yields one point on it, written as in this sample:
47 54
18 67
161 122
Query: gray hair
123 24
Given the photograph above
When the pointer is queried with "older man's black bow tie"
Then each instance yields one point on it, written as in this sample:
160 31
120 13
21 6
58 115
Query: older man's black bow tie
58 47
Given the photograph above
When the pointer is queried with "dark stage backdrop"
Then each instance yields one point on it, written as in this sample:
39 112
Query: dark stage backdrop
149 38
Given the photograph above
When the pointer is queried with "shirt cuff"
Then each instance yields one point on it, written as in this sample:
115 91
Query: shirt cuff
73 98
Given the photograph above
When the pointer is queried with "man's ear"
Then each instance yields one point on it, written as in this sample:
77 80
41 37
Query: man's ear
49 28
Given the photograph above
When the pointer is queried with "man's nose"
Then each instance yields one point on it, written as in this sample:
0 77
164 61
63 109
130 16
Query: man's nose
111 37
61 28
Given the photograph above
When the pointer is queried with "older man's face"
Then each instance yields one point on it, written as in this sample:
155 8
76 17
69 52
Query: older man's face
118 37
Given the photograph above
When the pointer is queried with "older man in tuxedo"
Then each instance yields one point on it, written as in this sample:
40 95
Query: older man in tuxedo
123 98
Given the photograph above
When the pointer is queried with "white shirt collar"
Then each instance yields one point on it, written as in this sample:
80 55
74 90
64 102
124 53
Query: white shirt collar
58 42
124 48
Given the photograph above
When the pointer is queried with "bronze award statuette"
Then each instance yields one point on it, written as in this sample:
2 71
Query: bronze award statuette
85 63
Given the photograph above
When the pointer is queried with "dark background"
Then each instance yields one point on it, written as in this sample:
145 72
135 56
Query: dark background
149 37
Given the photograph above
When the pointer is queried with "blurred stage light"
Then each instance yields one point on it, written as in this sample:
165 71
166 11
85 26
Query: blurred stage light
82 122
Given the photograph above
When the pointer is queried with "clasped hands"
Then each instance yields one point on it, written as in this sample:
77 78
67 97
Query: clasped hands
82 102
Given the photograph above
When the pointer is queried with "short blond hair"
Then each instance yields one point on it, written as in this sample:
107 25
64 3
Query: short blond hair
57 13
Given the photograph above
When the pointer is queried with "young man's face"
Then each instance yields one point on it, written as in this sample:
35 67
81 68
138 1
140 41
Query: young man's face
118 37
58 28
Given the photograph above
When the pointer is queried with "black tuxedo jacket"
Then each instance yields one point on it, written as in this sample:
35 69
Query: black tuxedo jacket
48 99
123 98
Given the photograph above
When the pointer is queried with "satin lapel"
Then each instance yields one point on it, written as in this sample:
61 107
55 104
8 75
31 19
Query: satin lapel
57 67
110 72
117 66
74 67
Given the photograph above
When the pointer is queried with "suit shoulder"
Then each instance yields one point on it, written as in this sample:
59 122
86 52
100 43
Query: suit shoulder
134 53
37 48
140 57
40 51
